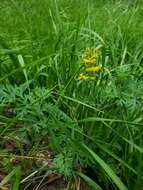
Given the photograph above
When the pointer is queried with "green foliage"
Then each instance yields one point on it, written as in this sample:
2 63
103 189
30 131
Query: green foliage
64 163
87 124
15 175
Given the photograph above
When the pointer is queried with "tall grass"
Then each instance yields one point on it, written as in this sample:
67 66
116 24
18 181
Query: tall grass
94 124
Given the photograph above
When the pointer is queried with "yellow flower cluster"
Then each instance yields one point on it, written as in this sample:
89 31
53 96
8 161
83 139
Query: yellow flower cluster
89 59
94 69
85 77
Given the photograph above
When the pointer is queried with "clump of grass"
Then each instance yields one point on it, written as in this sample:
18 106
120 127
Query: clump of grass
88 124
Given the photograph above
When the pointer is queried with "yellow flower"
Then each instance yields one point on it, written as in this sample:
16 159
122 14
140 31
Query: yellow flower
82 77
90 56
88 60
94 69
88 49
85 77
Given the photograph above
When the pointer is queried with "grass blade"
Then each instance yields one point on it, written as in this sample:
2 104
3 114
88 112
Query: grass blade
7 178
134 145
89 181
93 119
22 64
16 181
107 169
117 158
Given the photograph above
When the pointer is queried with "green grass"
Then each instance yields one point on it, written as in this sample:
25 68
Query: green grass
96 125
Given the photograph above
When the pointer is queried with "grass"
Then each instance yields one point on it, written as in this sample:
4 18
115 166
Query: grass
92 127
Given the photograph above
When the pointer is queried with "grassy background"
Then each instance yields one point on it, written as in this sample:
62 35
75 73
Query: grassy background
42 104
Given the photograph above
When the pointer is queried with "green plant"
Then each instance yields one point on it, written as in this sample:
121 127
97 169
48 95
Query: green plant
87 124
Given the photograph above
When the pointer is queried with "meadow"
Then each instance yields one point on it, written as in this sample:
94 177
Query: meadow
71 94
